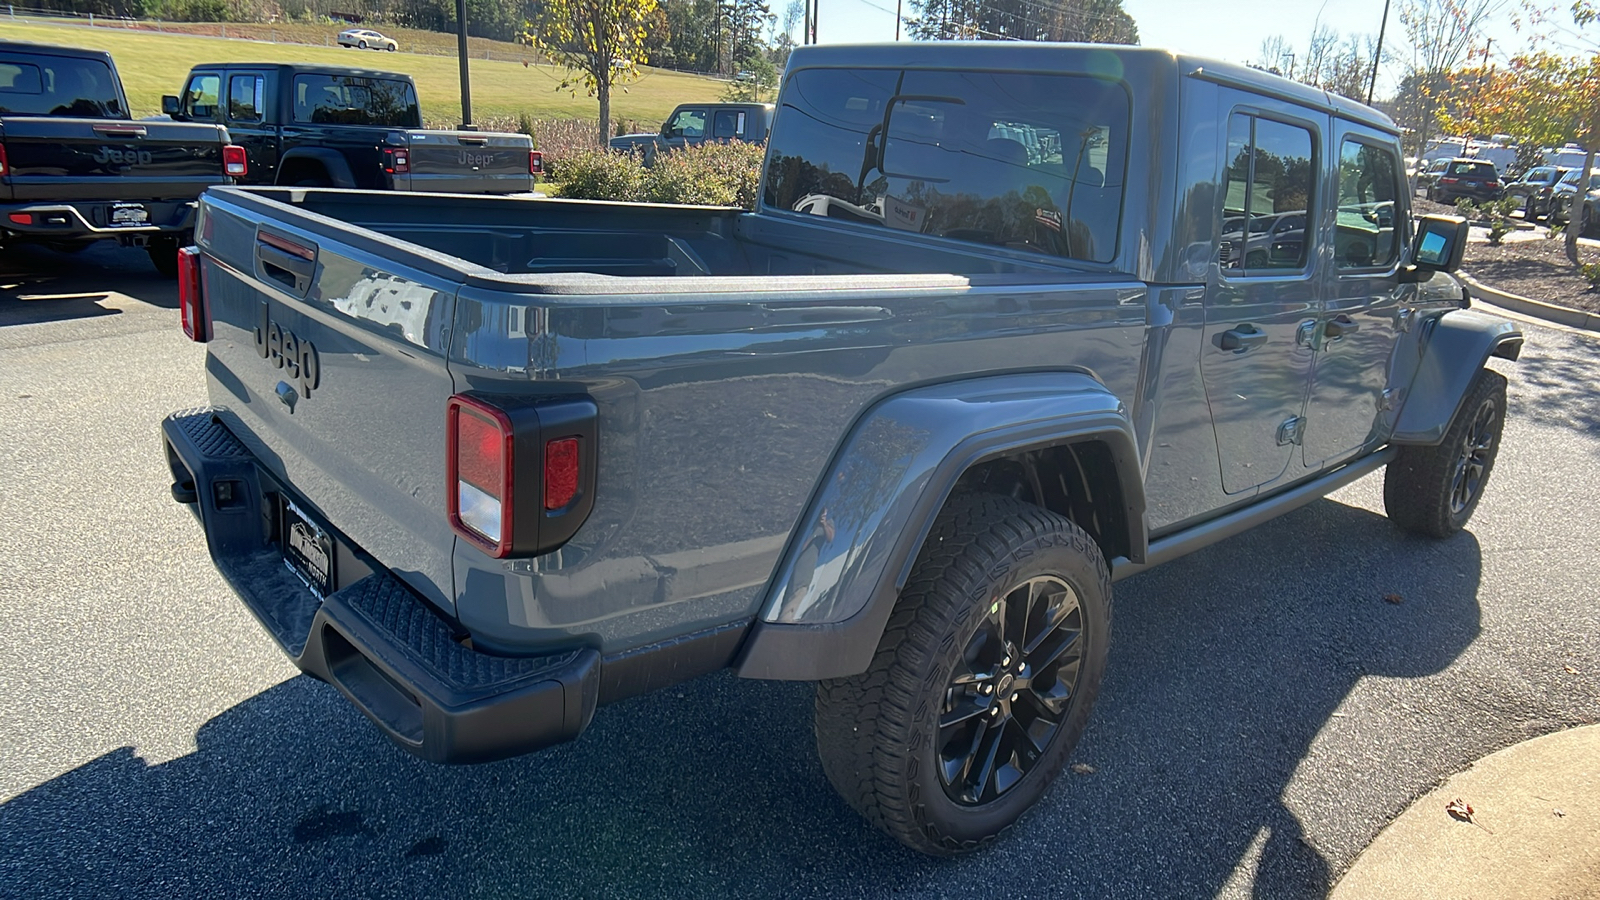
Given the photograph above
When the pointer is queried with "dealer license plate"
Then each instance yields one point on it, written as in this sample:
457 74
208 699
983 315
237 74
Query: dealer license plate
307 549
130 214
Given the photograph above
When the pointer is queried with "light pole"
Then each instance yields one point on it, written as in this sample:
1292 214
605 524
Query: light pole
461 56
1377 52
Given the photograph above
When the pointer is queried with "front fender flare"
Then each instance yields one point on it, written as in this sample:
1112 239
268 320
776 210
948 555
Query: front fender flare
852 551
1457 346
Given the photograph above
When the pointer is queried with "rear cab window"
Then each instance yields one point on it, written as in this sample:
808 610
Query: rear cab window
1030 162
41 85
350 100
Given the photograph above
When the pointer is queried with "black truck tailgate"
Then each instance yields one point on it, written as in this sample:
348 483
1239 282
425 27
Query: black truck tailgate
466 162
63 159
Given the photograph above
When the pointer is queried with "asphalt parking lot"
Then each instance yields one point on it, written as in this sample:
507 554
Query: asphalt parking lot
1268 706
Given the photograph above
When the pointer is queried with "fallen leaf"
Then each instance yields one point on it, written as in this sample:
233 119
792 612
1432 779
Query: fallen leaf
1083 769
1570 670
1459 809
1560 814
1393 598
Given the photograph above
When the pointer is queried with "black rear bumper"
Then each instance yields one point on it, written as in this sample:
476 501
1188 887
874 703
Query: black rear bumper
374 639
73 221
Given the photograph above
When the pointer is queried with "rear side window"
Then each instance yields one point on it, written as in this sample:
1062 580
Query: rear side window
1018 160
244 98
58 86
727 123
348 100
1270 186
1367 232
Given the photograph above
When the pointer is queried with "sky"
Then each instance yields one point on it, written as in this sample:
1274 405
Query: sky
1231 30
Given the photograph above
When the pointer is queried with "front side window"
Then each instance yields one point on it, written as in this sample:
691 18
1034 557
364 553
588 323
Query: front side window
201 98
244 98
1367 228
1269 189
350 100
1017 160
689 123
58 86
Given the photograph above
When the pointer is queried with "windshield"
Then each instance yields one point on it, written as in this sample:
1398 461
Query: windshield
1025 161
38 85
347 100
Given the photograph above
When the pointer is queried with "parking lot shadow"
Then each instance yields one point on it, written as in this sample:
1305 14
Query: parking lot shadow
38 284
1225 667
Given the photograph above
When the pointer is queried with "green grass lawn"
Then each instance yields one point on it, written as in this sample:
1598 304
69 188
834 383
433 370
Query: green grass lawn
155 64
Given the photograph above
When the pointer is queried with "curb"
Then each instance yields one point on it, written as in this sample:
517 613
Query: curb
1572 318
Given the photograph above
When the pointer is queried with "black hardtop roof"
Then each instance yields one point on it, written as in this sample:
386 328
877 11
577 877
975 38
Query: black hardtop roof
1104 59
53 50
306 69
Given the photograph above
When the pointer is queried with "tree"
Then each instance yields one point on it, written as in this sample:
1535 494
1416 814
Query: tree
756 78
1341 65
1093 21
600 42
1442 34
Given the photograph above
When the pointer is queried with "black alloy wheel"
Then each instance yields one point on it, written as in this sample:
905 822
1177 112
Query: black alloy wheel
1010 690
1474 456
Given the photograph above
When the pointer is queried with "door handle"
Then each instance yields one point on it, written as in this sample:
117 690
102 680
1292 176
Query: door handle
1241 338
1341 325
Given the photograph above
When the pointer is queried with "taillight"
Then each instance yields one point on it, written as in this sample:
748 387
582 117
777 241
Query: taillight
1493 184
519 473
397 161
3 169
535 162
191 299
21 218
234 161
1448 180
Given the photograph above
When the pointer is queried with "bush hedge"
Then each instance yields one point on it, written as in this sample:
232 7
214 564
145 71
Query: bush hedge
710 174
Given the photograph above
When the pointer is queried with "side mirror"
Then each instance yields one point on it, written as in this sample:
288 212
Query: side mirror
1441 242
169 105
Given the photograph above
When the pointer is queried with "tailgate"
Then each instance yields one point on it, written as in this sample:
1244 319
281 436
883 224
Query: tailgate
328 361
469 162
51 158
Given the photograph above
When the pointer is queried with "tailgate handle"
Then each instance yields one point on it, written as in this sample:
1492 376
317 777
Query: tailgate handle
285 262
121 130
468 139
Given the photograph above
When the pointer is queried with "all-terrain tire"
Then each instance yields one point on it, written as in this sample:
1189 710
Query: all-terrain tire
878 733
1434 490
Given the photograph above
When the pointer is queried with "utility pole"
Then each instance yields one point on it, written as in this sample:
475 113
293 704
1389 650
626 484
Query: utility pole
461 57
1377 52
897 4
805 36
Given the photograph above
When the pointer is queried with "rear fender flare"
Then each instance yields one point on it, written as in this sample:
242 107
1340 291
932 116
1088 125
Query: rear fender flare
1459 343
850 554
331 161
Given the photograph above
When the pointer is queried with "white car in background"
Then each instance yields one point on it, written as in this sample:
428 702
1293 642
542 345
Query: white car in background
366 39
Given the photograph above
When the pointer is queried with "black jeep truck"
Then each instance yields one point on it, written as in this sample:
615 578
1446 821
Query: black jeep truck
343 127
75 168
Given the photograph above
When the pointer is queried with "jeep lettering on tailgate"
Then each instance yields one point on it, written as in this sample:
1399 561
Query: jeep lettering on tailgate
288 352
123 157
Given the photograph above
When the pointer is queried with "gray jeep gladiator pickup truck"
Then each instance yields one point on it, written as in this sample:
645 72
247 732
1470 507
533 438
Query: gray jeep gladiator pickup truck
988 344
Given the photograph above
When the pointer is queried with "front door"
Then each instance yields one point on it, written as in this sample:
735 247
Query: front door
1356 333
688 126
1261 304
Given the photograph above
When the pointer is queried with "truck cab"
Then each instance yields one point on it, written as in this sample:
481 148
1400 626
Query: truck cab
692 124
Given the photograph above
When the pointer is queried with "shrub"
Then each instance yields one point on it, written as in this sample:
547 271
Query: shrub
594 174
713 174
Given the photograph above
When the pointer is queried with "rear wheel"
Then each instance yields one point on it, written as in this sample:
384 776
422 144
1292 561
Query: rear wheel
1434 490
982 683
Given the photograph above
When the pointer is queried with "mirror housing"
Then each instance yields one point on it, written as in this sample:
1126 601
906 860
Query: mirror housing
1440 244
169 105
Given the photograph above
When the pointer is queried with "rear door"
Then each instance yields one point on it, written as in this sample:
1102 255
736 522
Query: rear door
466 162
1356 332
245 111
1261 302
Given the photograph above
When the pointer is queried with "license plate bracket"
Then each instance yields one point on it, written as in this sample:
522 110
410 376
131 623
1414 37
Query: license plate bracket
126 214
307 549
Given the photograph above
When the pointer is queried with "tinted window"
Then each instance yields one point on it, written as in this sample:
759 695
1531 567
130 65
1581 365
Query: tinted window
727 123
201 99
58 86
1029 162
244 98
347 100
1270 187
1366 232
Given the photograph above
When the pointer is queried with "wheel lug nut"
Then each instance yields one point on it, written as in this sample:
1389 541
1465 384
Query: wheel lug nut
1006 661
986 689
1014 697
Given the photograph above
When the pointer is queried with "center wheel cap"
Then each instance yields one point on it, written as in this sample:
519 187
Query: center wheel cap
1004 687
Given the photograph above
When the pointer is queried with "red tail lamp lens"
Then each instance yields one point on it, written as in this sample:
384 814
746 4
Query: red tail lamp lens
234 161
191 296
560 472
480 473
397 162
535 162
